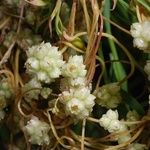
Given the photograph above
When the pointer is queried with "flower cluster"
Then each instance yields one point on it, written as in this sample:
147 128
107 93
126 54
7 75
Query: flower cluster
110 122
37 131
44 62
78 102
108 95
141 35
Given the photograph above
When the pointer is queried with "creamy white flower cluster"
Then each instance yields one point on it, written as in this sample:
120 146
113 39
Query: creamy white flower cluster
37 131
110 122
78 102
5 94
141 35
44 62
76 96
108 95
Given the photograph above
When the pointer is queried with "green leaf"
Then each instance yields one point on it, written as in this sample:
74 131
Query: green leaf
132 102
117 66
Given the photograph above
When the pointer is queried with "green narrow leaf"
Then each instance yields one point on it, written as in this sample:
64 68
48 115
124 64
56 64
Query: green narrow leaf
117 66
132 102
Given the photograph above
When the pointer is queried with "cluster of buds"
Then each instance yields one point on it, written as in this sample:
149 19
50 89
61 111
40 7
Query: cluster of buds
108 95
141 34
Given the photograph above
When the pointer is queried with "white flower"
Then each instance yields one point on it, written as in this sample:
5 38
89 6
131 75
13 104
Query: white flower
109 95
147 69
137 146
109 121
37 131
78 102
141 35
45 62
74 68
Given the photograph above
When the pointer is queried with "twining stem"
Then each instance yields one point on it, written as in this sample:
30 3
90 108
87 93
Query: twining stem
83 134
